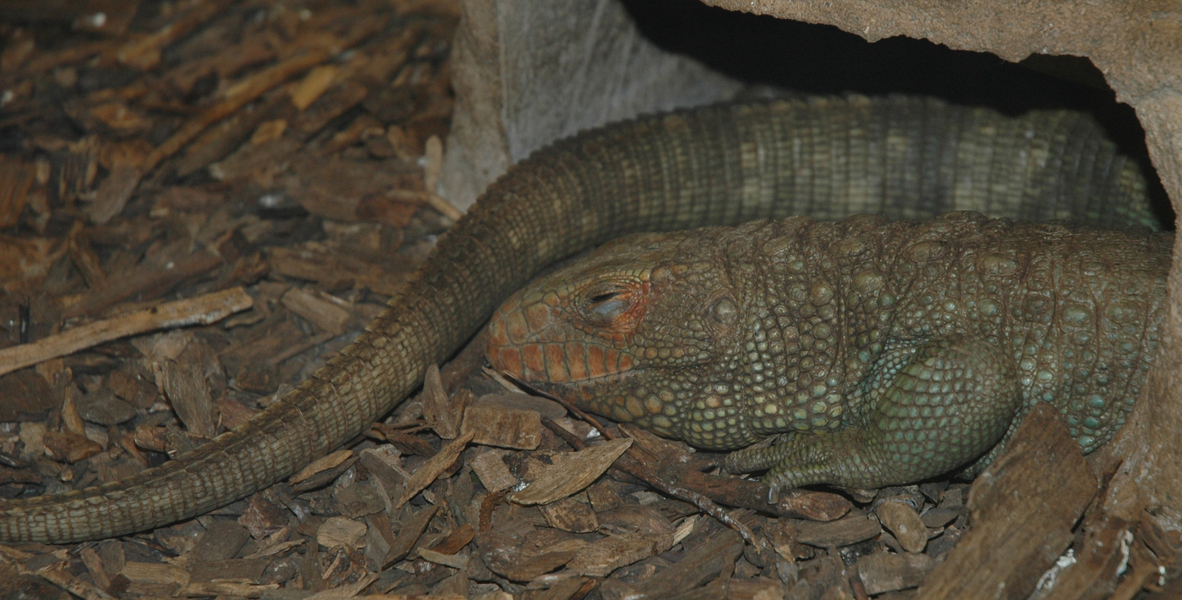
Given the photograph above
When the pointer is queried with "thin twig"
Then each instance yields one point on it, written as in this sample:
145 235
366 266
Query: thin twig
202 310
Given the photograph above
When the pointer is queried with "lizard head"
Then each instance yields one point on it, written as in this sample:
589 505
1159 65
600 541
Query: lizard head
633 331
714 336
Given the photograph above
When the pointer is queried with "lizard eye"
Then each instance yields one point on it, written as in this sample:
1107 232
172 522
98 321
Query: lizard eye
604 297
607 305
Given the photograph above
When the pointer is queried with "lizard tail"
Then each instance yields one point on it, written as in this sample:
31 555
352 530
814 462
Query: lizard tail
826 158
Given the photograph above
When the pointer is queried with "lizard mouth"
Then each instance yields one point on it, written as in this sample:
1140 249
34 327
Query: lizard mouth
560 363
527 341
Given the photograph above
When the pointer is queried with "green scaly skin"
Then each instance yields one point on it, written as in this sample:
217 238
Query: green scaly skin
887 352
825 157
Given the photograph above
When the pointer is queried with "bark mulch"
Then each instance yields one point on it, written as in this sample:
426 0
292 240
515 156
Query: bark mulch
202 201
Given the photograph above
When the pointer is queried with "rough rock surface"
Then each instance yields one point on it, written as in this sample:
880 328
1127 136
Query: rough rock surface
532 71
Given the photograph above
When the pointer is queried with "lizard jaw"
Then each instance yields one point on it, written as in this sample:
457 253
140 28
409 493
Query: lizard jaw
559 363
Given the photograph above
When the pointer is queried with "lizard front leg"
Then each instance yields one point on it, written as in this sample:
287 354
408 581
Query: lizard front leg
923 410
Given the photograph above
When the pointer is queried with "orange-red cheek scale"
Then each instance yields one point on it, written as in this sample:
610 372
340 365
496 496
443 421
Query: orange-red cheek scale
565 361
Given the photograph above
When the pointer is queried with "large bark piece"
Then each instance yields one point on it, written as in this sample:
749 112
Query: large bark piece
1024 506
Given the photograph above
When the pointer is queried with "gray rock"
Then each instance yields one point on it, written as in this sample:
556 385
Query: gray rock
527 72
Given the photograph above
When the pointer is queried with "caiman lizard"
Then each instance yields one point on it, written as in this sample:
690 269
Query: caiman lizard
824 158
888 352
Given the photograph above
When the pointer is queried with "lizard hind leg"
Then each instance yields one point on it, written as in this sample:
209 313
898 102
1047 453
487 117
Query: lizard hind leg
929 409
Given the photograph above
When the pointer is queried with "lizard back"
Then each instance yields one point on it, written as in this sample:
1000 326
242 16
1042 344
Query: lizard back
824 157
723 336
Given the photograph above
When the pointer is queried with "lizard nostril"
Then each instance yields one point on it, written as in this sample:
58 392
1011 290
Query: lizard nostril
497 335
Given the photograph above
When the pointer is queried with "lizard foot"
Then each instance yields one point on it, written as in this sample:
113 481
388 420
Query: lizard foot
932 408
